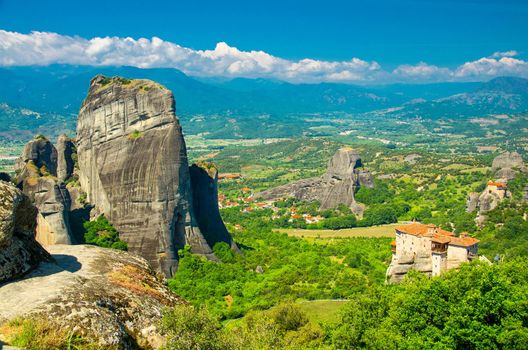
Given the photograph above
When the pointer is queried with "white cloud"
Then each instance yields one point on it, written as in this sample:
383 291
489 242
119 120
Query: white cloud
43 48
499 54
487 67
422 72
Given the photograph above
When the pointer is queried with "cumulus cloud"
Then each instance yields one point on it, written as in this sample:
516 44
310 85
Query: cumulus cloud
43 48
422 72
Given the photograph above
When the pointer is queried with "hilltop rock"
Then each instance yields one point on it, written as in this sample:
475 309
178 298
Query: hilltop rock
37 177
106 296
511 160
507 165
133 167
337 186
204 182
65 152
38 158
19 251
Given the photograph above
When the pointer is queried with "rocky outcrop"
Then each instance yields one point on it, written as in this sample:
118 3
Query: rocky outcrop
400 266
511 160
472 202
204 182
19 251
106 296
507 165
65 154
37 177
133 166
344 174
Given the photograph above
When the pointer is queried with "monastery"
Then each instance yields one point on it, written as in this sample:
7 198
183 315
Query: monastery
428 249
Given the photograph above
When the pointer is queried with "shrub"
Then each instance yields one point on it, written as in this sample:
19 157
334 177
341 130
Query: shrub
134 135
100 232
188 327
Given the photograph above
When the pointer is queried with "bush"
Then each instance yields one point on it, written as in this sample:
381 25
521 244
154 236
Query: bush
339 222
289 317
189 328
100 232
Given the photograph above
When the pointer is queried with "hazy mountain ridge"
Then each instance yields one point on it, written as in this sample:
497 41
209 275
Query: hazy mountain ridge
231 108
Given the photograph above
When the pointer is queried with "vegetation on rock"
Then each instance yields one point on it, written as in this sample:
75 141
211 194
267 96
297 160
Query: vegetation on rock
100 232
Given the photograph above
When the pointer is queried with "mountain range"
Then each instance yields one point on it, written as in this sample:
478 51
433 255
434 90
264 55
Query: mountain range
37 99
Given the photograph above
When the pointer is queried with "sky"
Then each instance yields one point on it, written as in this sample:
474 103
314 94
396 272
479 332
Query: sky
298 41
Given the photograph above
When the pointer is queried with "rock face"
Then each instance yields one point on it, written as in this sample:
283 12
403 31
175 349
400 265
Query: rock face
37 176
507 165
489 199
133 166
204 182
510 160
40 155
65 154
472 202
19 251
337 186
108 296
407 262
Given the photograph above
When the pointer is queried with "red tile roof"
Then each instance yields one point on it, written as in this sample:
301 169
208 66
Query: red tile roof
417 229
438 235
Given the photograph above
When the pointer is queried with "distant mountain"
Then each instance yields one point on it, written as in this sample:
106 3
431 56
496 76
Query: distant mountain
237 107
500 95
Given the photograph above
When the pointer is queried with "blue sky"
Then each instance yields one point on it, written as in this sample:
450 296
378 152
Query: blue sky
443 34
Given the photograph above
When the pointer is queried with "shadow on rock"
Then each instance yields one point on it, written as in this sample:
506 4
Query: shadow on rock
62 263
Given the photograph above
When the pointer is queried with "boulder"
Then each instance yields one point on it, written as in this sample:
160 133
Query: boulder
19 251
133 167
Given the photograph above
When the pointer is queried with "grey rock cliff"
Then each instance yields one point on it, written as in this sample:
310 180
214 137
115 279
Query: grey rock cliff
472 202
510 160
204 181
65 153
37 176
337 186
19 251
133 166
399 268
38 157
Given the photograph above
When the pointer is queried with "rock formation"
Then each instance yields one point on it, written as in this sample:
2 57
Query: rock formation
37 177
19 251
494 193
472 202
507 165
133 166
337 186
108 297
204 182
65 155
406 262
